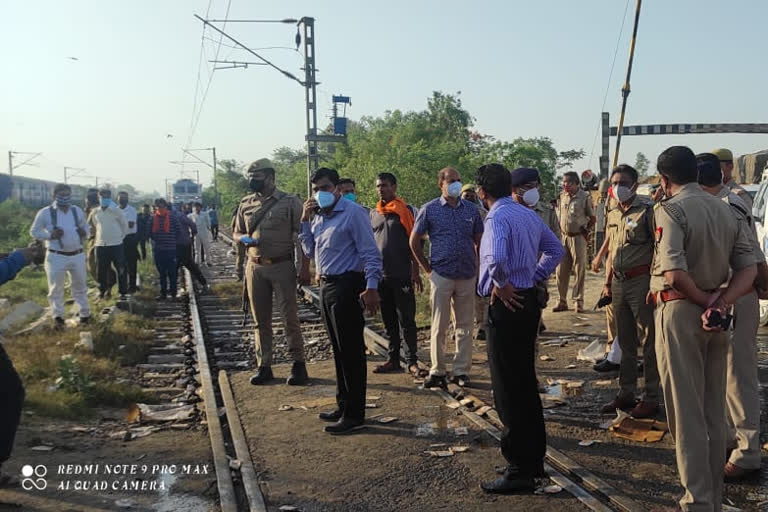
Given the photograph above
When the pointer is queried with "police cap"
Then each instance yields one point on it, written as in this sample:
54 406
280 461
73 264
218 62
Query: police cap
723 154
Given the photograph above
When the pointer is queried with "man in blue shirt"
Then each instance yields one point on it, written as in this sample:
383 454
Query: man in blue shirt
454 227
12 396
337 233
517 250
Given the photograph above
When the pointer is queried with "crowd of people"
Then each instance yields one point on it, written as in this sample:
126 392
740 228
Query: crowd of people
679 266
683 275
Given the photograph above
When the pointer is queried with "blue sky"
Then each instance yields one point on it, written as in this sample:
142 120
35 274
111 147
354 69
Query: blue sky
524 69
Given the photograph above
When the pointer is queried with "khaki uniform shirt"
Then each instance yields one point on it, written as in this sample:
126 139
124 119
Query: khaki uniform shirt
744 217
630 235
547 214
697 233
742 193
277 231
574 212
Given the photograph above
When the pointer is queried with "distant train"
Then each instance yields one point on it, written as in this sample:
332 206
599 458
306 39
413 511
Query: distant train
34 192
186 191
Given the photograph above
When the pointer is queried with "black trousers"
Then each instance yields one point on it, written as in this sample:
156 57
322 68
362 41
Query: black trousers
511 341
215 231
11 399
143 248
108 256
130 246
184 259
398 310
343 317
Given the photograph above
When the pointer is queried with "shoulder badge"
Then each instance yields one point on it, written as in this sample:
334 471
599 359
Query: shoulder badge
659 232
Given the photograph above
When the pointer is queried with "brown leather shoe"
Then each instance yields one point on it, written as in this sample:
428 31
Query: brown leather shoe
388 367
645 409
734 473
624 403
560 307
579 308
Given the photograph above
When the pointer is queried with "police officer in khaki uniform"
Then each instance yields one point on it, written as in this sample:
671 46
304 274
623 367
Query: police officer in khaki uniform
267 222
697 240
629 232
577 216
239 248
742 392
610 363
481 303
726 166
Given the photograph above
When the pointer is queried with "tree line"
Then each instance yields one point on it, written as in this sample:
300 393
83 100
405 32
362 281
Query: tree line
413 146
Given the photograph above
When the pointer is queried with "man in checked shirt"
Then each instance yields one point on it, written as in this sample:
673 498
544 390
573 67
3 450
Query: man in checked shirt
516 251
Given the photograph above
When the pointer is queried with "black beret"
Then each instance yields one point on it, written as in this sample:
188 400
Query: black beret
523 175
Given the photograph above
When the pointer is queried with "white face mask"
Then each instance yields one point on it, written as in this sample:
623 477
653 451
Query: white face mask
622 193
531 197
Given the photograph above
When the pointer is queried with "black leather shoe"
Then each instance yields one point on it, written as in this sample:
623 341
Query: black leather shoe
331 415
504 485
262 375
84 320
606 366
298 376
512 471
461 380
58 323
480 334
435 381
344 426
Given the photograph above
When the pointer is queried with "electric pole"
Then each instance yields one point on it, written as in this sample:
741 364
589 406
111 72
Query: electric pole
310 98
11 167
625 89
67 168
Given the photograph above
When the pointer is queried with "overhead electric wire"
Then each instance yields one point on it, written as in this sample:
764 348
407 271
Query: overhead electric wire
608 85
197 82
210 78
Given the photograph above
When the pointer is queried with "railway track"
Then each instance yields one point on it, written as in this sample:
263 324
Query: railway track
593 492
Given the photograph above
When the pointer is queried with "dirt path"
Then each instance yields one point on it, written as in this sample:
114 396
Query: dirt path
380 468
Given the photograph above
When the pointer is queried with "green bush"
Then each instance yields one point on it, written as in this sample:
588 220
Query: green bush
15 221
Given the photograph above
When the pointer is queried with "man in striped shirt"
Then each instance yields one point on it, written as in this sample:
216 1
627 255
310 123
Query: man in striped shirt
516 251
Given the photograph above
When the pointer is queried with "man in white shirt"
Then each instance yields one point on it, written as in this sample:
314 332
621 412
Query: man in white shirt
111 227
203 238
131 240
62 226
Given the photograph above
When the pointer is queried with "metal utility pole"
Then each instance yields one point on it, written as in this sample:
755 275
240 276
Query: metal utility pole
11 167
310 98
67 168
625 90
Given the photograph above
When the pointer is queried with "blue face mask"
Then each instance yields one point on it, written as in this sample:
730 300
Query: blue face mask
105 202
351 196
324 199
454 189
63 200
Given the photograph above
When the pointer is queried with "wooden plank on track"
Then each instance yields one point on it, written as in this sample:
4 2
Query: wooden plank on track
227 496
247 471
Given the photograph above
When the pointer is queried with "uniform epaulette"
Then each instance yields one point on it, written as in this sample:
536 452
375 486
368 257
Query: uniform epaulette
675 212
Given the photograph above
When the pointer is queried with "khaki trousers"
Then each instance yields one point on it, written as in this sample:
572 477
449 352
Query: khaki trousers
262 280
575 256
692 365
481 311
239 259
634 321
610 320
742 391
451 298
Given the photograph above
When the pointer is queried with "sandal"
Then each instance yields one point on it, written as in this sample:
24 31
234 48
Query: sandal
388 367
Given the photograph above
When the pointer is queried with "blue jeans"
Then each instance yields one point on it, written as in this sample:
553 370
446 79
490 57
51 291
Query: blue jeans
165 261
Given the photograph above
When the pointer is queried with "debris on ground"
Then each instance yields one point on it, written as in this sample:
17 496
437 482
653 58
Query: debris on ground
125 503
42 448
284 408
160 413
371 406
620 415
461 431
459 449
570 367
549 489
645 430
288 508
482 410
601 383
546 358
587 442
439 453
593 352
386 419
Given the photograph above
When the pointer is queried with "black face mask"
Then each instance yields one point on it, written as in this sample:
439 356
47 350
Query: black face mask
256 185
123 203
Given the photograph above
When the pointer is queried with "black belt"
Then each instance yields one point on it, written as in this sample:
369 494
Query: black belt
330 278
261 260
66 253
